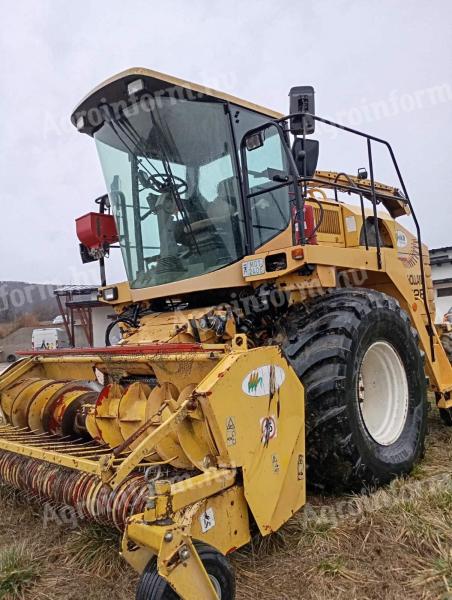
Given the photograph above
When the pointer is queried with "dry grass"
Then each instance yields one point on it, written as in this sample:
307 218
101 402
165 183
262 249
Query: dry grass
20 568
395 543
95 549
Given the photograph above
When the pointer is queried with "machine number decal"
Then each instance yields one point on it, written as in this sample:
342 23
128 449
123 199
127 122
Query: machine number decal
263 381
231 434
207 520
253 267
275 464
268 429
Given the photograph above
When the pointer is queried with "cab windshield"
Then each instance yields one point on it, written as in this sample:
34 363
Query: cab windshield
170 171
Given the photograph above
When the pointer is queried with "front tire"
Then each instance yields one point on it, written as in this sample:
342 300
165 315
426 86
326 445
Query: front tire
366 409
153 587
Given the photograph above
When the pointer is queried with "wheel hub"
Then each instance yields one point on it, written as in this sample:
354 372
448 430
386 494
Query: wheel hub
383 393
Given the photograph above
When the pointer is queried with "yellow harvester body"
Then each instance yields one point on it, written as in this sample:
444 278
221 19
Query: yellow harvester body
180 433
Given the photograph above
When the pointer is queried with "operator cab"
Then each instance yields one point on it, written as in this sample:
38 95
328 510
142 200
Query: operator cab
198 179
169 155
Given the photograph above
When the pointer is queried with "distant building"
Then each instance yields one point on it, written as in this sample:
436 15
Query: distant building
83 317
441 262
82 322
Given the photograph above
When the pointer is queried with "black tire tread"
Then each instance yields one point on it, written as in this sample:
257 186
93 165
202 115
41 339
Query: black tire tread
319 344
446 416
151 585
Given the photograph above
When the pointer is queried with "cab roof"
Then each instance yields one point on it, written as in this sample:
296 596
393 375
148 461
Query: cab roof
115 89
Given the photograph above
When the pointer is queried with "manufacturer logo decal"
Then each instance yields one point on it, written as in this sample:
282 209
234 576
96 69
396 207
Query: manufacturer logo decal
255 382
402 240
263 381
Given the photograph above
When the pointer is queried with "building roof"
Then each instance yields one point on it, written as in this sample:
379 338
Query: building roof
444 249
76 289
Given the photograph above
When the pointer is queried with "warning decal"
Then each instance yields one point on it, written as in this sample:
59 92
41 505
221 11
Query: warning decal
231 435
268 429
207 520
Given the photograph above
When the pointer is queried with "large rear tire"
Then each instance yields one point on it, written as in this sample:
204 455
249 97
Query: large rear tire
366 409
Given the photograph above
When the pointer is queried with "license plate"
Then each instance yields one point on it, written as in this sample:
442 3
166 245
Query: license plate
254 267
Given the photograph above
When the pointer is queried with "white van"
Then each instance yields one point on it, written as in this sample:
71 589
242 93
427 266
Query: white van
50 338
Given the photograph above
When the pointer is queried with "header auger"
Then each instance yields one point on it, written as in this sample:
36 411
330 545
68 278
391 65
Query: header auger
272 336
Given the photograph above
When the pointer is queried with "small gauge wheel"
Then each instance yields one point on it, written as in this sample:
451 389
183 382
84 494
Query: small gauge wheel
153 587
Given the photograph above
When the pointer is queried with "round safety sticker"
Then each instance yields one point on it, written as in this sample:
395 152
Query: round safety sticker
268 429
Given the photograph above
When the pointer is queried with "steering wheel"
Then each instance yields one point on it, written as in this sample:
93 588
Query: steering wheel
161 182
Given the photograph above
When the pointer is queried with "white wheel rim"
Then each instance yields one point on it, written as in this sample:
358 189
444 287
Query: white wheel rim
383 393
216 585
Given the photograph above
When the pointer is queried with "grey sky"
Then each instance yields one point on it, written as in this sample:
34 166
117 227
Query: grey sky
385 66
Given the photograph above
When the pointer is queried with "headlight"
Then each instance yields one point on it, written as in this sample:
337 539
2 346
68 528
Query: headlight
81 123
110 294
135 86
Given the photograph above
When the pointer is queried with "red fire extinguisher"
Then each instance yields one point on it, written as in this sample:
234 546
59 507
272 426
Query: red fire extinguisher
309 225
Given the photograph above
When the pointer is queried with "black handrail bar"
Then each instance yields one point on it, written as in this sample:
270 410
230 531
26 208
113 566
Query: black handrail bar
300 179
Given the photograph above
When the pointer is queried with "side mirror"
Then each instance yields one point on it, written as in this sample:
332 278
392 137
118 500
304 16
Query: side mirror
306 156
302 100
